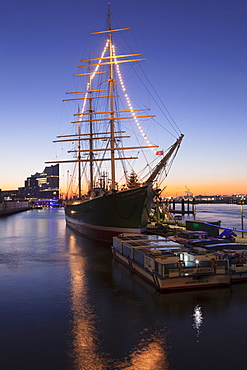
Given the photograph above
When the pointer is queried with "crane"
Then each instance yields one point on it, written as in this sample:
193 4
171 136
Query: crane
188 192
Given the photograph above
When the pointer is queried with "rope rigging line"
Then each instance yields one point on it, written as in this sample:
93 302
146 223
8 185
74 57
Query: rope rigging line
170 120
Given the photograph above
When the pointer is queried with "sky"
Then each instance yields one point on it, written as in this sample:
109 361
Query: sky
196 55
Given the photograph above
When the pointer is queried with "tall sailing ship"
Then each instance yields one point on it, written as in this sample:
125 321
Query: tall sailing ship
117 200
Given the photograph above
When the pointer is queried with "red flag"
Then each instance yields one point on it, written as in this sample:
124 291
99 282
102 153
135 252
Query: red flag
160 152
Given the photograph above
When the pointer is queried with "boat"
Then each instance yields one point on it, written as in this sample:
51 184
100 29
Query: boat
168 265
237 263
192 238
188 236
236 253
114 200
222 247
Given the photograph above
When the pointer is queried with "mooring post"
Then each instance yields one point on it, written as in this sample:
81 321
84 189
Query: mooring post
182 205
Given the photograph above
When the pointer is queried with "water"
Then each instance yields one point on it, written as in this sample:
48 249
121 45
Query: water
228 214
66 304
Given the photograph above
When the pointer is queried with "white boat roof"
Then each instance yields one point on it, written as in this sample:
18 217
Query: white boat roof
226 246
129 236
154 243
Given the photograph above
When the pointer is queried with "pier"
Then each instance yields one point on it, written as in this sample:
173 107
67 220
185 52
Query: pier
187 207
8 208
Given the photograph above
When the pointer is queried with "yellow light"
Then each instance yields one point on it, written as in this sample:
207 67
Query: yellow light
93 75
128 99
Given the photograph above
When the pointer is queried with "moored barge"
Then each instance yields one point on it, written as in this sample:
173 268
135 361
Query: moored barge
169 265
236 253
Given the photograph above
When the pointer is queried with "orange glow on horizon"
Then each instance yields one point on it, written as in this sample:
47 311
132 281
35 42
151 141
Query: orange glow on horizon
171 190
206 189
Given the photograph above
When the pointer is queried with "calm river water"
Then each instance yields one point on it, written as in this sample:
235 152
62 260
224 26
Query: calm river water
66 304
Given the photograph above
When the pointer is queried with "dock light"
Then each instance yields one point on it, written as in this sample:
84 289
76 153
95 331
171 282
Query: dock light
197 262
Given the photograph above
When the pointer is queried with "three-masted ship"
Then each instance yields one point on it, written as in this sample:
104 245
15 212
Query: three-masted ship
109 206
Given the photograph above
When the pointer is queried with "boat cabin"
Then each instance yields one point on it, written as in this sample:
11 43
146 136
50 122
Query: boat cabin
188 236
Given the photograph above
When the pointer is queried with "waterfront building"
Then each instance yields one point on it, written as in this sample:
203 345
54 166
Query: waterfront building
42 185
9 195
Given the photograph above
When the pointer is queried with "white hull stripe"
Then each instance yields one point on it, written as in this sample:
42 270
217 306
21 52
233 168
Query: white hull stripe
105 228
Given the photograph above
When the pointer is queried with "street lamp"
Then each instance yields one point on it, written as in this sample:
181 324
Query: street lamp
242 216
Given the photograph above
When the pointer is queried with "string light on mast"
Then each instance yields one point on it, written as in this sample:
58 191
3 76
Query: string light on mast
124 92
129 103
93 75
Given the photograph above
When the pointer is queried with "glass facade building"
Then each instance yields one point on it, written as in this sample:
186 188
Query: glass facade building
42 185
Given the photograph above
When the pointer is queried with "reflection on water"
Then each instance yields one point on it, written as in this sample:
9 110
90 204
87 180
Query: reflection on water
84 341
228 214
149 352
197 320
66 304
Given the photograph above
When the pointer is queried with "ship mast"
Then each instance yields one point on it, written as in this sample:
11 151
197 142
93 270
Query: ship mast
90 133
79 157
113 115
111 87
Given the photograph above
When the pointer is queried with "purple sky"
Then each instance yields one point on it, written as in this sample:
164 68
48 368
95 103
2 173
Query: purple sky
196 59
